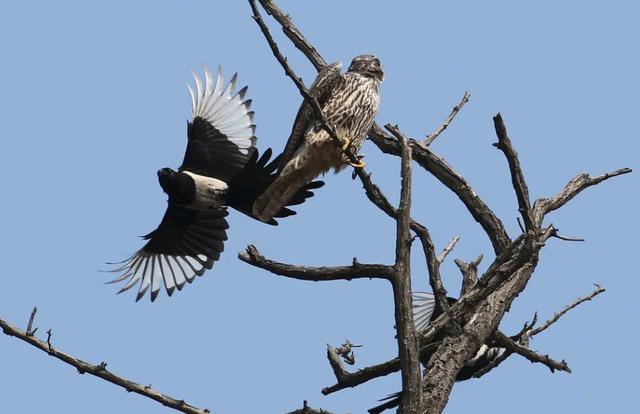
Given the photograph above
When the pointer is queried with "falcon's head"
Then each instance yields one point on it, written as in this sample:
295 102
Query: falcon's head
367 65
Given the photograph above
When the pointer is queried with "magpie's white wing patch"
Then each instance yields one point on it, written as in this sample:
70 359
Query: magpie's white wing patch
184 246
221 132
423 305
228 112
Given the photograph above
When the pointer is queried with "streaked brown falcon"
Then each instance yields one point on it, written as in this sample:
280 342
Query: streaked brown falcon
220 169
350 103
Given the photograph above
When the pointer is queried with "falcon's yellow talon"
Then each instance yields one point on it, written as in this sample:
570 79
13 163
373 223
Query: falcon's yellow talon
359 164
347 144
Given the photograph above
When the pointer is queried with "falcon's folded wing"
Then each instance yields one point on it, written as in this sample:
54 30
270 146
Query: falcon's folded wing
326 81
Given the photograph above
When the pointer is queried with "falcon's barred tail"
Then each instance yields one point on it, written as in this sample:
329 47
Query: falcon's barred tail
282 191
255 178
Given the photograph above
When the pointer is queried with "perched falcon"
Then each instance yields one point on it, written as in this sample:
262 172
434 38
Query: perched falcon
220 169
350 103
423 313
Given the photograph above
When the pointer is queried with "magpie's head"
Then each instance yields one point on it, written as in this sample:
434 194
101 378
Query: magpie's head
367 65
165 176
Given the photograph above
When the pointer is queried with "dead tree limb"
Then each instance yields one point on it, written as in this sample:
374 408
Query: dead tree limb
445 124
517 177
99 370
407 338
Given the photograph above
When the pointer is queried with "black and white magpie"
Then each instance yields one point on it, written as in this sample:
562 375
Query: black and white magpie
423 313
220 169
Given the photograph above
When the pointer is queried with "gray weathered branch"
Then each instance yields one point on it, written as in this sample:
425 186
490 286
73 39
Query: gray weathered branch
316 274
432 137
517 177
402 298
543 206
557 315
99 370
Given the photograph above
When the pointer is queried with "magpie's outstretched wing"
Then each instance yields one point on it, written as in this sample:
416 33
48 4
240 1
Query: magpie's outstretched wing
326 81
254 179
186 243
221 134
423 305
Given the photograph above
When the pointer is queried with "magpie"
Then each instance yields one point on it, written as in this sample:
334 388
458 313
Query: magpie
423 314
221 169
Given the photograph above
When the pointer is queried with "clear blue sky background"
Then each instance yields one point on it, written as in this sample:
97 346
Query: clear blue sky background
93 101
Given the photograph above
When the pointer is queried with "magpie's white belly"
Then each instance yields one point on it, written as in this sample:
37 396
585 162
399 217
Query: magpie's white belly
211 193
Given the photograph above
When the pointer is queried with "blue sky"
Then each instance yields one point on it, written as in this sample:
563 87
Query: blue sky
93 101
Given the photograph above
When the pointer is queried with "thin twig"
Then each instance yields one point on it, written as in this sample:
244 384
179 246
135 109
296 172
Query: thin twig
292 32
445 124
448 249
30 330
558 315
100 371
356 271
308 410
544 206
564 238
517 177
506 342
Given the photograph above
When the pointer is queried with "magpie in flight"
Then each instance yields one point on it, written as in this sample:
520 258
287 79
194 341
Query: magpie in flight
221 169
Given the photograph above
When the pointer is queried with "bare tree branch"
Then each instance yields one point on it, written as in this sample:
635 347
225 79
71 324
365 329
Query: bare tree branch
30 330
316 274
543 206
308 410
432 137
560 314
292 32
517 177
402 298
433 265
514 347
99 370
448 249
469 273
440 169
